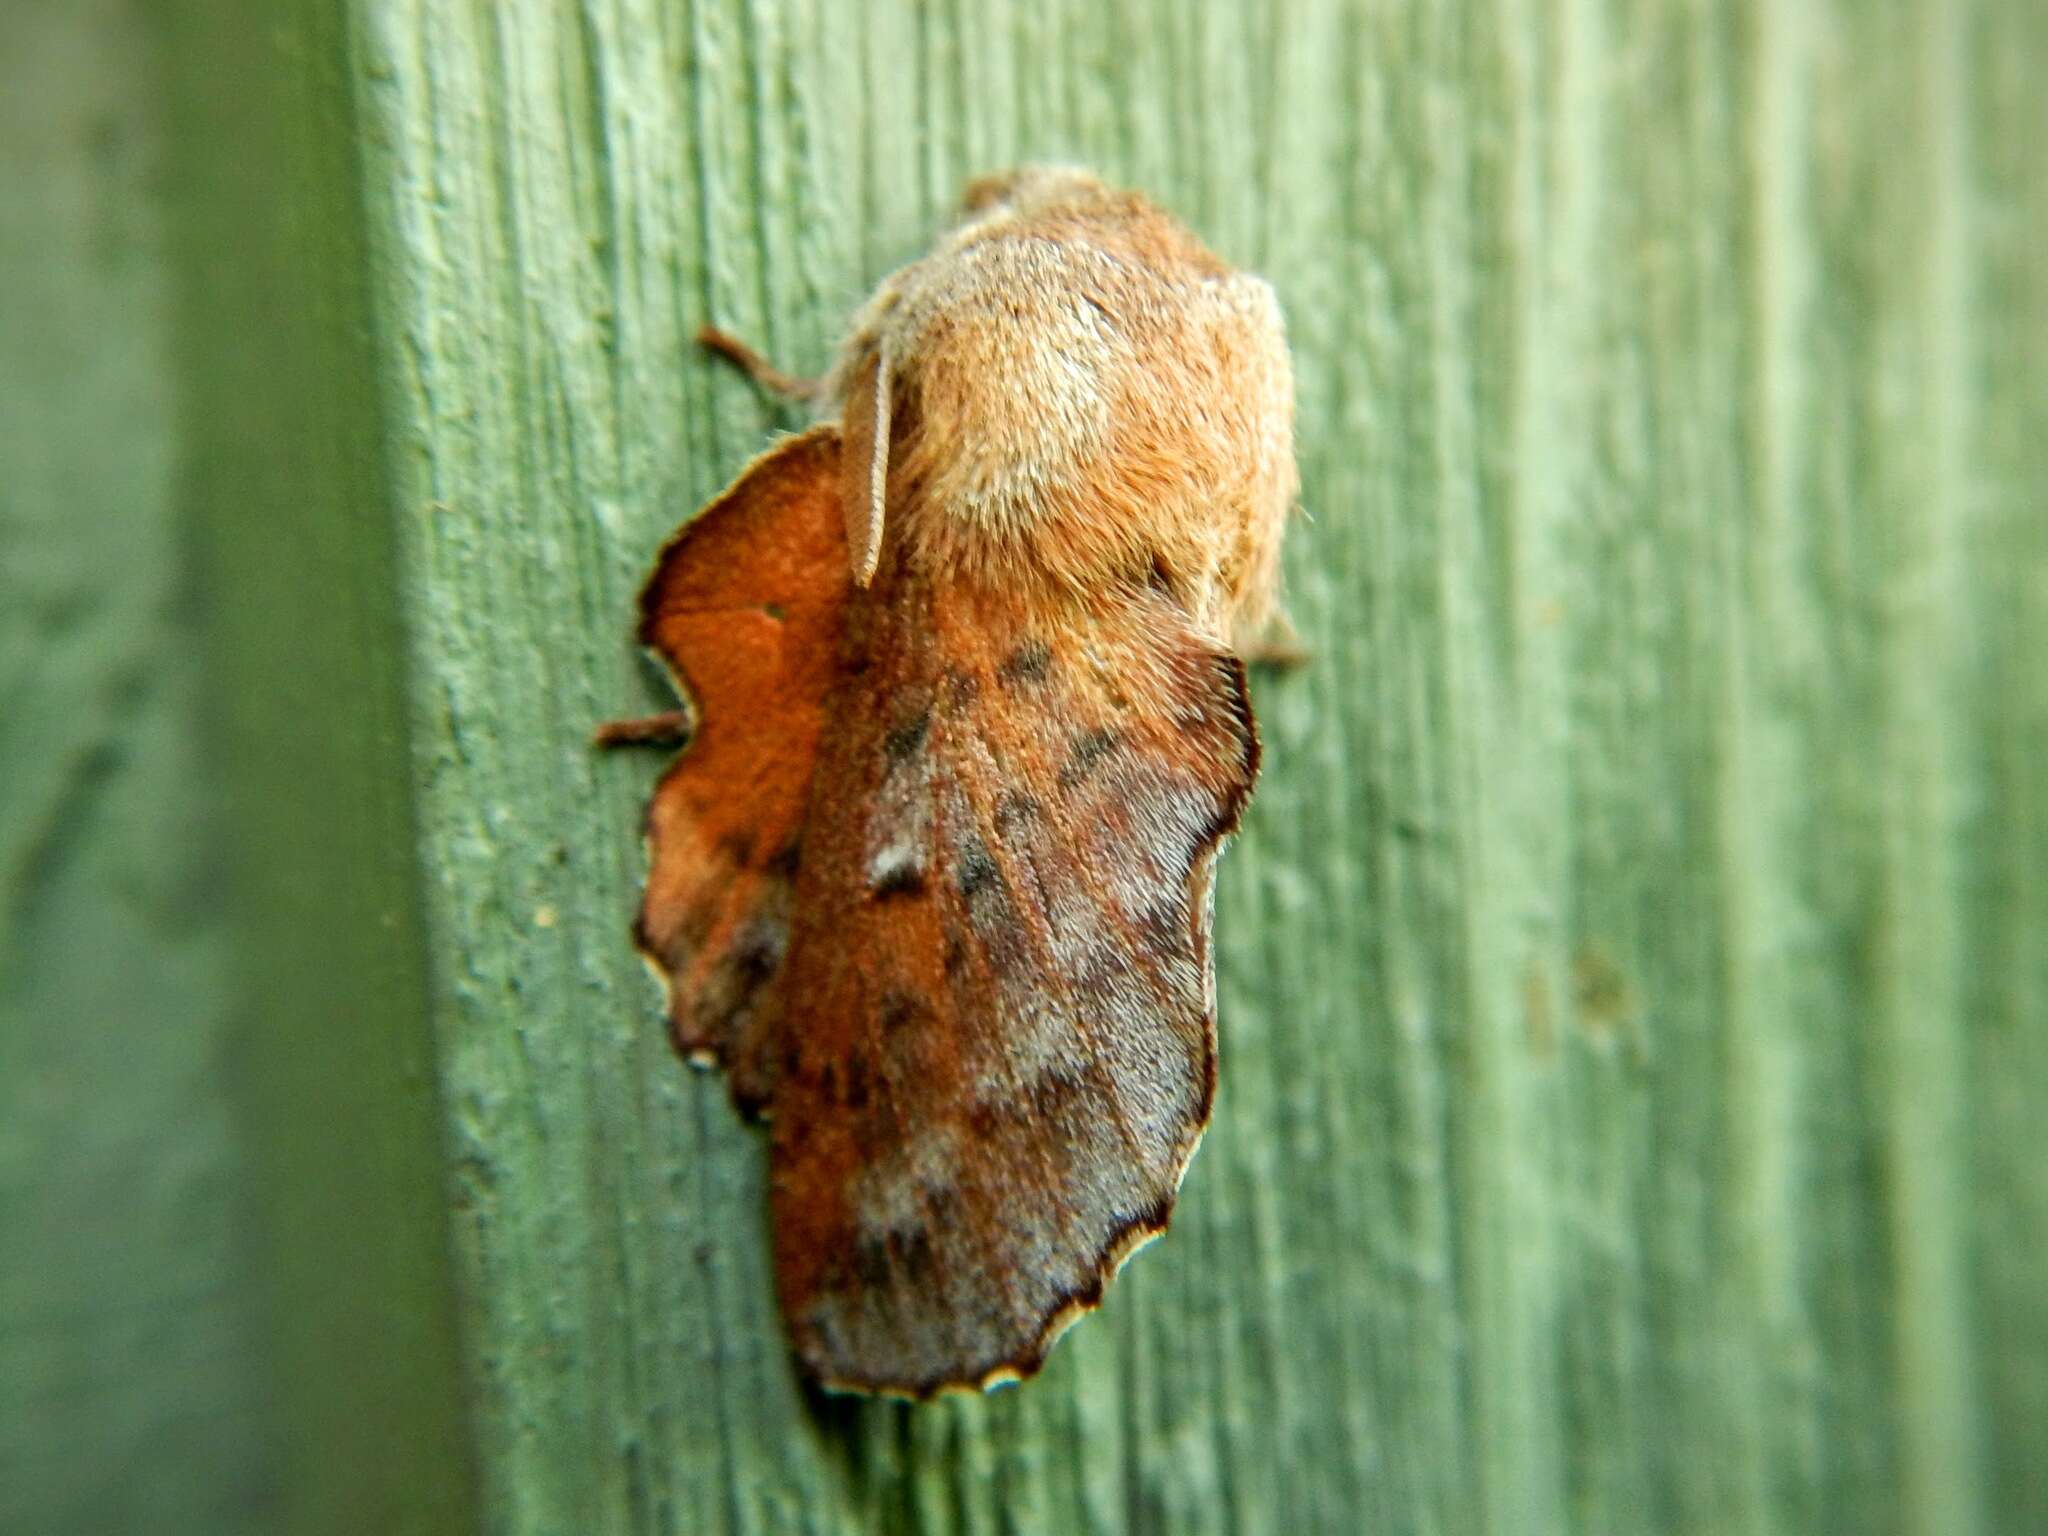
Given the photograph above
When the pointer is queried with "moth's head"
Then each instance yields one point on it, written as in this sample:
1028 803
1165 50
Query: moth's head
1031 189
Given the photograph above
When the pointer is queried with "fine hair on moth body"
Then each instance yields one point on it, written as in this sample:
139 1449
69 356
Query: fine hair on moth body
967 728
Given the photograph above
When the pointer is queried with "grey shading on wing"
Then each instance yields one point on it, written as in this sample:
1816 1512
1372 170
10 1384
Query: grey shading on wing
999 1053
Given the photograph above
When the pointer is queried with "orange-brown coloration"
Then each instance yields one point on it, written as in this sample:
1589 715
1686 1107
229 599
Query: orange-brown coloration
999 1053
745 607
932 878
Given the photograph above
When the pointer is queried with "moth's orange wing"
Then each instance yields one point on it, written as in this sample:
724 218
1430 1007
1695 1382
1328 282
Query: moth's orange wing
744 606
1000 1045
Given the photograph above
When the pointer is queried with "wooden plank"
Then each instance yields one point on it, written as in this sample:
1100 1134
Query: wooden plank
1632 970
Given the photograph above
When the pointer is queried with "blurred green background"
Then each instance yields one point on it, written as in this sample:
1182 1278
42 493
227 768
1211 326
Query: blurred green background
131 1396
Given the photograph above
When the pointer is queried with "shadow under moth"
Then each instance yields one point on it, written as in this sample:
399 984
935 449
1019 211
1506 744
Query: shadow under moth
967 727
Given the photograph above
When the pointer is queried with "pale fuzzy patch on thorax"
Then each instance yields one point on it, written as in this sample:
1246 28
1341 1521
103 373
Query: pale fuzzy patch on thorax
1086 394
1010 355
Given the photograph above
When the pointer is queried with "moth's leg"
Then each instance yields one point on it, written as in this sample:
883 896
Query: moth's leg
1275 642
755 366
665 729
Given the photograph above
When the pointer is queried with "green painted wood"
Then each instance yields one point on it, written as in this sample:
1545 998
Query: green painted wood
131 1396
1635 966
284 472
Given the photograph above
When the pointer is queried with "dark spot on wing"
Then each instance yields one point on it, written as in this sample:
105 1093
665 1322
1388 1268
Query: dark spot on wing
855 1085
904 879
898 1008
785 861
737 846
752 1102
1031 662
914 1256
757 951
977 870
871 1262
907 739
956 953
1086 753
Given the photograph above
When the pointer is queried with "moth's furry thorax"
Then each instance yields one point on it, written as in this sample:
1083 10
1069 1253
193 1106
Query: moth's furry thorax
1076 387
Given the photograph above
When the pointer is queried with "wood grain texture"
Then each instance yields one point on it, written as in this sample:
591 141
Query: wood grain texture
1634 966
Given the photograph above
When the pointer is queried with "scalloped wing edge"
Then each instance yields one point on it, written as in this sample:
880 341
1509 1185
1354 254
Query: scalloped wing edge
1125 1242
722 572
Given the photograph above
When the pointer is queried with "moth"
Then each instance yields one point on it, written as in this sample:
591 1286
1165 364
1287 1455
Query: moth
966 730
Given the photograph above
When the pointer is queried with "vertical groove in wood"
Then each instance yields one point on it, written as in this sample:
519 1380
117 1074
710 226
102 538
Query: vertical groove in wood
2006 893
1928 515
